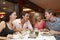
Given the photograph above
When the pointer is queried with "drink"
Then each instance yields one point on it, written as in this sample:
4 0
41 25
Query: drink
36 33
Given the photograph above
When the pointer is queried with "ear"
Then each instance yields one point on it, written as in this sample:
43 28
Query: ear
50 13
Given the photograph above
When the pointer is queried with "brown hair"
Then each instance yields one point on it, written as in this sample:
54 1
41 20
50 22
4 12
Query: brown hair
50 11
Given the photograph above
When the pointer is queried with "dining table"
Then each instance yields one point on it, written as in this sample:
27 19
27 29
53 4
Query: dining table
39 37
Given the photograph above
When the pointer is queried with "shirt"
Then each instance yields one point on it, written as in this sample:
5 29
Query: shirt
6 31
41 25
27 24
55 25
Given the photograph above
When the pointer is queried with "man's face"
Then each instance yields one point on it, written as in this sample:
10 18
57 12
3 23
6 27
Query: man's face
26 17
47 15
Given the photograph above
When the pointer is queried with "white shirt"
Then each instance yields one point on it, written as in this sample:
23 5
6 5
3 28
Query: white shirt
17 23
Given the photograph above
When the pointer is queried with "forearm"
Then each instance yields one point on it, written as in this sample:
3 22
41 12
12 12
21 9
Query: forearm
3 38
54 32
57 33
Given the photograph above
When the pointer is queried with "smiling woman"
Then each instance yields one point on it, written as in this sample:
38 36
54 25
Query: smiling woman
6 27
39 22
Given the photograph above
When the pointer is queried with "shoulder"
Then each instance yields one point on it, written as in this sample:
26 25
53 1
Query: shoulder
2 24
17 20
58 21
58 18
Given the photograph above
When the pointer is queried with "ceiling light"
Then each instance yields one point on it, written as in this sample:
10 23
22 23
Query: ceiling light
4 8
26 9
4 2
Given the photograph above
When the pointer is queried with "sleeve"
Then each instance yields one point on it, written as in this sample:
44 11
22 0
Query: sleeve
16 23
29 25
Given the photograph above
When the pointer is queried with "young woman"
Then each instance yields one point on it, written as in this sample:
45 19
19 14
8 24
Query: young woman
39 22
6 27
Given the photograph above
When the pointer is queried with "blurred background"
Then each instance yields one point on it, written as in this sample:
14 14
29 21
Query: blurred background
30 6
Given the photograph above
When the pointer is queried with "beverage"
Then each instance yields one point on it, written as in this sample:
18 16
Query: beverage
36 33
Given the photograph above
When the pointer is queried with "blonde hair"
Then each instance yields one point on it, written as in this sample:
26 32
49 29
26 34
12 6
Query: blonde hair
37 14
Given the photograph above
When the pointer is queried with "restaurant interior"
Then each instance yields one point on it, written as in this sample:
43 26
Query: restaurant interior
30 6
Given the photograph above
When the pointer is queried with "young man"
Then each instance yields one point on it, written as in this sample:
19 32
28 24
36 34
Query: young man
53 23
23 22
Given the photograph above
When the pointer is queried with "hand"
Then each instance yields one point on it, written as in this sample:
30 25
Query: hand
19 29
52 32
44 30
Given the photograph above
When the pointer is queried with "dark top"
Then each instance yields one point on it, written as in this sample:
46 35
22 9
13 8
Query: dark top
6 31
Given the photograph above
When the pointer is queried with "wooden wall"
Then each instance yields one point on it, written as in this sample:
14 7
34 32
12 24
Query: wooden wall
58 14
4 5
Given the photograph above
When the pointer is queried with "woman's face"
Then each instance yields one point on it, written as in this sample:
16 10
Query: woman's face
13 16
38 18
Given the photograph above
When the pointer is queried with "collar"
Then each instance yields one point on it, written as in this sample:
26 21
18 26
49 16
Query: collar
54 20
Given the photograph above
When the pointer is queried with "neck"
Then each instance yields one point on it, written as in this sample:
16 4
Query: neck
10 21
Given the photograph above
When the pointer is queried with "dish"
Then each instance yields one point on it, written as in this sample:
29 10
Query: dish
46 34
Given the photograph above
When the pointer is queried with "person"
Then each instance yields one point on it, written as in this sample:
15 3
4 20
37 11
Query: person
52 23
6 27
39 22
23 22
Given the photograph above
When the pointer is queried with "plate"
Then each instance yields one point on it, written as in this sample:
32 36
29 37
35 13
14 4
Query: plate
46 34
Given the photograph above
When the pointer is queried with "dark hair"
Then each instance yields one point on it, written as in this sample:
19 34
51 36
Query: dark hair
51 11
23 14
7 14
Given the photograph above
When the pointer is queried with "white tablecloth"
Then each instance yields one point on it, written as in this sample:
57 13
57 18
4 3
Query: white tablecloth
40 37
